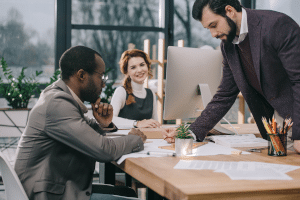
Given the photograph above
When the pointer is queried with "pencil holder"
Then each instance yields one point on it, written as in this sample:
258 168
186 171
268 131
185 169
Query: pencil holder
277 144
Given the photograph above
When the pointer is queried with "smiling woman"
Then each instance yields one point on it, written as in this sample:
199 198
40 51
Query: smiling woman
132 103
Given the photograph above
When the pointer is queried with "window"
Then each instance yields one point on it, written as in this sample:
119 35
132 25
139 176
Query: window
110 26
289 7
116 12
111 44
27 36
188 29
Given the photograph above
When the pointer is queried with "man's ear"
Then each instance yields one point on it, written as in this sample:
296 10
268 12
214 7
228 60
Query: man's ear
81 75
230 11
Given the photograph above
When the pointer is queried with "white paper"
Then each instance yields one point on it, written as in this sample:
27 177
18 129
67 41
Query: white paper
256 174
241 170
122 123
202 164
204 150
245 140
211 149
278 167
150 145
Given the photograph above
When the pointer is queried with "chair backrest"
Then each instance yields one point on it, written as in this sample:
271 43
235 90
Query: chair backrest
13 187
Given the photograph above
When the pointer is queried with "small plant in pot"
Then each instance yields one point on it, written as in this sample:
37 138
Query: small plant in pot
183 141
18 91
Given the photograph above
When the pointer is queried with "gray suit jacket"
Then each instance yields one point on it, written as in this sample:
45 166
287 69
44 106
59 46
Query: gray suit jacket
275 46
58 149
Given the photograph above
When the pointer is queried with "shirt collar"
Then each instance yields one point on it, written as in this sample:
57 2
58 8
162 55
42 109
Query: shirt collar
243 30
81 105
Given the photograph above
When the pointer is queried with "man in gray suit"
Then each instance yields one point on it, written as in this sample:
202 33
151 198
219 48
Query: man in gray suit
58 149
261 51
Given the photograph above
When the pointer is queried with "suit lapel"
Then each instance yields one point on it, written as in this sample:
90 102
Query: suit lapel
254 32
235 66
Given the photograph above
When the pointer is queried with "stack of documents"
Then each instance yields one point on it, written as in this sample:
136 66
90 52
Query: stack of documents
152 145
241 170
245 140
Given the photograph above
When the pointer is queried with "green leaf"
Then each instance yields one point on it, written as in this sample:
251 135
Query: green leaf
18 92
37 73
183 132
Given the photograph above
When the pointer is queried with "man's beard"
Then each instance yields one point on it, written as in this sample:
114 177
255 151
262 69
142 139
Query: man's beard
232 33
90 94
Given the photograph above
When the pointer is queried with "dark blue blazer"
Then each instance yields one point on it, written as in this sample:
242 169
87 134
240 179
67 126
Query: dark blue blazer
275 47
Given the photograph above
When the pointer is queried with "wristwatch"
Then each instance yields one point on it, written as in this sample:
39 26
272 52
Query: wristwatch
135 123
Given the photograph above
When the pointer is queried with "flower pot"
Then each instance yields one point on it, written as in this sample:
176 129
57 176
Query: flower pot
183 146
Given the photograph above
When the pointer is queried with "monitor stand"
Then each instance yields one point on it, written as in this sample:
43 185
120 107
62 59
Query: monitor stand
206 98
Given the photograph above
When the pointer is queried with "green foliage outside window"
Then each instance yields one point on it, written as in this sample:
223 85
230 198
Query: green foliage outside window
54 78
108 90
18 91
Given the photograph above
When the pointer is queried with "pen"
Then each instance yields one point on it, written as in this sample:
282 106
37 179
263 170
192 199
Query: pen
160 153
254 150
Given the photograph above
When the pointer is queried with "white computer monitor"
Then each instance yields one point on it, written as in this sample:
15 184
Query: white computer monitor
186 69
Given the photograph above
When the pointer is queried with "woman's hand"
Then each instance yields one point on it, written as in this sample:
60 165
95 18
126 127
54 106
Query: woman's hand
297 146
103 113
148 123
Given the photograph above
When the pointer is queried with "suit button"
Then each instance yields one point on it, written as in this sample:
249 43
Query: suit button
88 193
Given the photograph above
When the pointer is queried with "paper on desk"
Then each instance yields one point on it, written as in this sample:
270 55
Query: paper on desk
152 146
204 150
241 170
244 140
211 149
210 165
257 174
122 123
118 133
278 167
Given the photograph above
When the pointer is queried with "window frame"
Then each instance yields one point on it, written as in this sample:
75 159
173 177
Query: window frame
64 26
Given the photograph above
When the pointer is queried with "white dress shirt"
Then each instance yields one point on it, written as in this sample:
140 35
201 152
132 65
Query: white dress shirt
243 30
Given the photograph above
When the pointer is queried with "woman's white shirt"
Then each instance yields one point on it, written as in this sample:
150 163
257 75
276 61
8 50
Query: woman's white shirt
118 102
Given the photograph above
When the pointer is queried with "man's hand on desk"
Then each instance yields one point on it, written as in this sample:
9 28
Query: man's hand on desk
138 133
297 146
102 112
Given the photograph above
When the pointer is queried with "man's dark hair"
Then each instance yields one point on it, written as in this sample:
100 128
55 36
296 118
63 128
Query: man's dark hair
217 7
76 58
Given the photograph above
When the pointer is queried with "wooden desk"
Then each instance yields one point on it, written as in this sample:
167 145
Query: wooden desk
158 174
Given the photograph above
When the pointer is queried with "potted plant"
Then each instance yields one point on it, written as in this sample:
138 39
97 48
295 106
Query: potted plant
109 90
183 141
18 91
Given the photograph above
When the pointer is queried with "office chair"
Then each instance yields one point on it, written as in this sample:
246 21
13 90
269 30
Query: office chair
13 187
